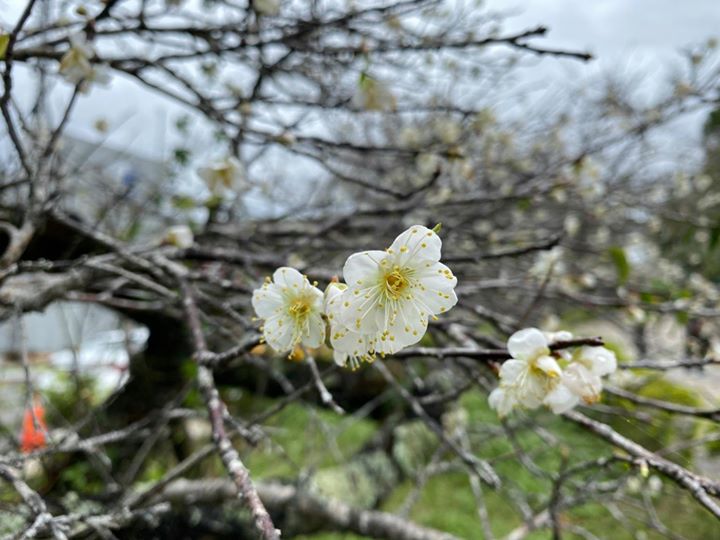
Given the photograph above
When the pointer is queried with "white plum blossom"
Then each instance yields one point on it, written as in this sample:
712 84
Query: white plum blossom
529 376
534 376
349 347
392 294
179 236
76 65
583 376
224 174
291 309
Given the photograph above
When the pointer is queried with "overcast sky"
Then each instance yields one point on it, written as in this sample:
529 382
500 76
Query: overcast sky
615 29
633 36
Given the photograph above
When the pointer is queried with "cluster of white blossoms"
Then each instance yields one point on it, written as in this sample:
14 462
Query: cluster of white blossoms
536 376
384 306
77 65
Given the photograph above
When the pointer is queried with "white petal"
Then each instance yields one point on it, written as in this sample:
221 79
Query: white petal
279 332
511 370
433 286
582 382
549 365
289 279
317 296
532 391
435 301
602 360
416 242
267 300
405 327
527 344
340 358
363 269
351 342
562 335
561 399
314 336
360 309
332 302
502 401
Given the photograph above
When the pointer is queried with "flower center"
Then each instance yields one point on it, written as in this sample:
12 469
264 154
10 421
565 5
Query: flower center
225 174
299 309
395 282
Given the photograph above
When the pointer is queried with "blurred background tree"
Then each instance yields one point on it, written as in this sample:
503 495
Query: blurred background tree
299 133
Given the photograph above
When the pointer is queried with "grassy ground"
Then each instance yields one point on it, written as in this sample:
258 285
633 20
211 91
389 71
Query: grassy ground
318 439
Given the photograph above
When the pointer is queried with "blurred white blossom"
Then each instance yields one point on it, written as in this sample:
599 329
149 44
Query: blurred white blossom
224 174
267 7
76 65
373 95
179 236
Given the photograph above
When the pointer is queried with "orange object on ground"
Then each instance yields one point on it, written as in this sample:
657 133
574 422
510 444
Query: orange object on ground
32 436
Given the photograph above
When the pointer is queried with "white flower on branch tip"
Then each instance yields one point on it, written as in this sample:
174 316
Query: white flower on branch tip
224 174
533 377
349 347
529 376
76 65
391 294
291 309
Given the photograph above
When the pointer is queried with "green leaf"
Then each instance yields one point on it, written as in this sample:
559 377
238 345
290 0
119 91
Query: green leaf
619 259
4 40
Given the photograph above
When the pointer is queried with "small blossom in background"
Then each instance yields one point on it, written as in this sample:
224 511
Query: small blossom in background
373 95
292 311
76 66
180 236
535 376
34 429
392 294
349 348
268 8
222 175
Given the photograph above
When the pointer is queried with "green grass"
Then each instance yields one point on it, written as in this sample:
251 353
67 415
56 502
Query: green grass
447 503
